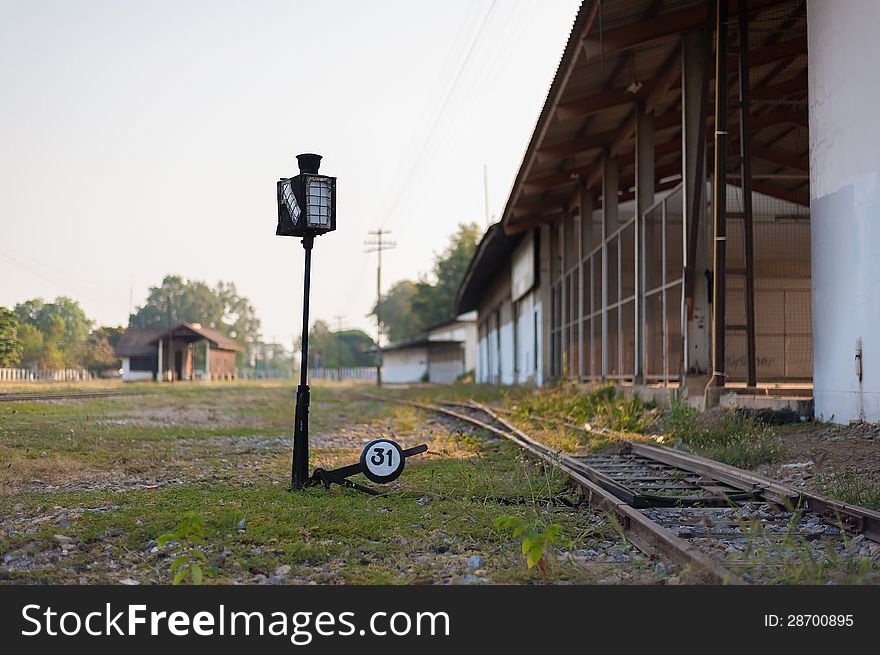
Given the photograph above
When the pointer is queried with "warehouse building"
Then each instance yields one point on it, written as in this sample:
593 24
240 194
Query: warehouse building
627 251
444 353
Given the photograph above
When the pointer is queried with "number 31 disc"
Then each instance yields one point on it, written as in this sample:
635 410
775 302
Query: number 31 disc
382 460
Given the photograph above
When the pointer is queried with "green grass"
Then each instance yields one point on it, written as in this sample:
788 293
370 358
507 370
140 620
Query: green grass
351 537
602 407
441 511
725 437
849 487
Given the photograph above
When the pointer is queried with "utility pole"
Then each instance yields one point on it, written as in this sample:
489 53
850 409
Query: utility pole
377 245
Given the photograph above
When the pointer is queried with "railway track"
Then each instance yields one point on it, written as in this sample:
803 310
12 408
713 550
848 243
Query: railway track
60 395
721 523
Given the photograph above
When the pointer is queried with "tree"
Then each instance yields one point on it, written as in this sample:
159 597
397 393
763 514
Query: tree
355 348
341 349
99 353
178 300
397 320
31 345
10 346
68 324
435 302
239 316
53 337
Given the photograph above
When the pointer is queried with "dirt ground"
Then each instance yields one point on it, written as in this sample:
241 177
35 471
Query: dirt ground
818 453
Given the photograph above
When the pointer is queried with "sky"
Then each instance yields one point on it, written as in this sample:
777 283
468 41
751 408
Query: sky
144 139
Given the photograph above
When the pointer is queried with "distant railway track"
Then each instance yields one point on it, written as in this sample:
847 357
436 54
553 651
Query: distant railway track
722 523
60 395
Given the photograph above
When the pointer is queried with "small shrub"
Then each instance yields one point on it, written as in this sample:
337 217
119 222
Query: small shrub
467 377
537 547
189 533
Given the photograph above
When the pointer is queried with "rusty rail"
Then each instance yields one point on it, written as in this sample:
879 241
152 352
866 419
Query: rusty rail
649 537
858 519
60 395
629 485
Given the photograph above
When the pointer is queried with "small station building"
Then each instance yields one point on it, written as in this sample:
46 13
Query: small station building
187 351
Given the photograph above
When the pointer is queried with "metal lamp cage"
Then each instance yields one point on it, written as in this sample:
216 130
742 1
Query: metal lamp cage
306 205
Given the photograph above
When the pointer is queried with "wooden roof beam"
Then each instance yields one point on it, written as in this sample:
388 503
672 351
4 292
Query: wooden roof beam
540 204
774 52
528 224
783 159
597 102
779 117
636 34
575 146
795 85
571 175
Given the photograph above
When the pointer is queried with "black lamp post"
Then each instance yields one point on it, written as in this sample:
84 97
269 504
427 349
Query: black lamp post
306 208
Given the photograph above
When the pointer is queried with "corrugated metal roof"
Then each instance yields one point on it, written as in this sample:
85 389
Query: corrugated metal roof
588 109
142 342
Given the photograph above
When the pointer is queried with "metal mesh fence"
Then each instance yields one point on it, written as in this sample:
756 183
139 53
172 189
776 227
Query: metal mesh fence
663 270
783 314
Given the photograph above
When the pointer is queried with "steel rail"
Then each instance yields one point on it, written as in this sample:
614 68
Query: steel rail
645 534
25 396
858 519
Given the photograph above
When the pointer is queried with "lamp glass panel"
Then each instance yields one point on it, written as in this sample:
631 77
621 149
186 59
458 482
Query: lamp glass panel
318 202
290 201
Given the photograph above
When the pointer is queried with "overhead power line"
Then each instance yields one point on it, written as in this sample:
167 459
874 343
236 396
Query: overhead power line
402 188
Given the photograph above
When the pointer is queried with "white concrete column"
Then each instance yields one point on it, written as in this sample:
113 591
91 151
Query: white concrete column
159 366
845 207
207 359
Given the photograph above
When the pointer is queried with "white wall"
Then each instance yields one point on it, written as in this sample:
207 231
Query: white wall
464 330
470 346
405 365
845 205
487 350
451 332
538 309
444 372
131 376
483 360
507 353
525 339
526 352
492 362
